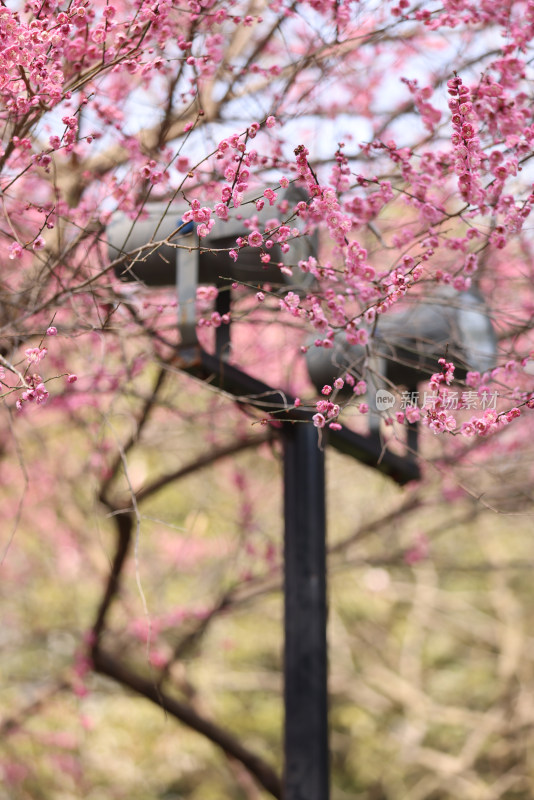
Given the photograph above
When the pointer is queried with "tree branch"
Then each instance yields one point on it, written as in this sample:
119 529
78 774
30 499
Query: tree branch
204 461
266 776
124 523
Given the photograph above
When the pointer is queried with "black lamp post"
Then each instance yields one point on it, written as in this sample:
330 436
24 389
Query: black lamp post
189 262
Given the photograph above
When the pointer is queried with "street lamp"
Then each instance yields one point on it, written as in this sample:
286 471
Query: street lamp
403 349
159 250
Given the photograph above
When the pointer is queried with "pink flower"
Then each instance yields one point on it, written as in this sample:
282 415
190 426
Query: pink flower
468 429
204 229
71 378
319 420
290 303
412 413
514 412
51 331
270 195
472 378
255 239
15 250
270 121
40 393
35 354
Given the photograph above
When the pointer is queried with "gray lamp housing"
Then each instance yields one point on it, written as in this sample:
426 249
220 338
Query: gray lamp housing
404 348
162 250
160 265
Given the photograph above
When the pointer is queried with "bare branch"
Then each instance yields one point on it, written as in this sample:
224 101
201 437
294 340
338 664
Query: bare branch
266 776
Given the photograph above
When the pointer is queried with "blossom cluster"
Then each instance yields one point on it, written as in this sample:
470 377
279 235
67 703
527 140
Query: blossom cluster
388 213
35 391
465 141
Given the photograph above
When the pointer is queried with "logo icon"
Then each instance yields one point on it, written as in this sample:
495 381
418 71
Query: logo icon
384 400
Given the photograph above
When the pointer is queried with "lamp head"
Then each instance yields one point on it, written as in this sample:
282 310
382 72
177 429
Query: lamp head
158 264
404 348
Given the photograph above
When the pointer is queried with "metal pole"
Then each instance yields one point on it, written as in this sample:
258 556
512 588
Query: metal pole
412 431
306 704
222 333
